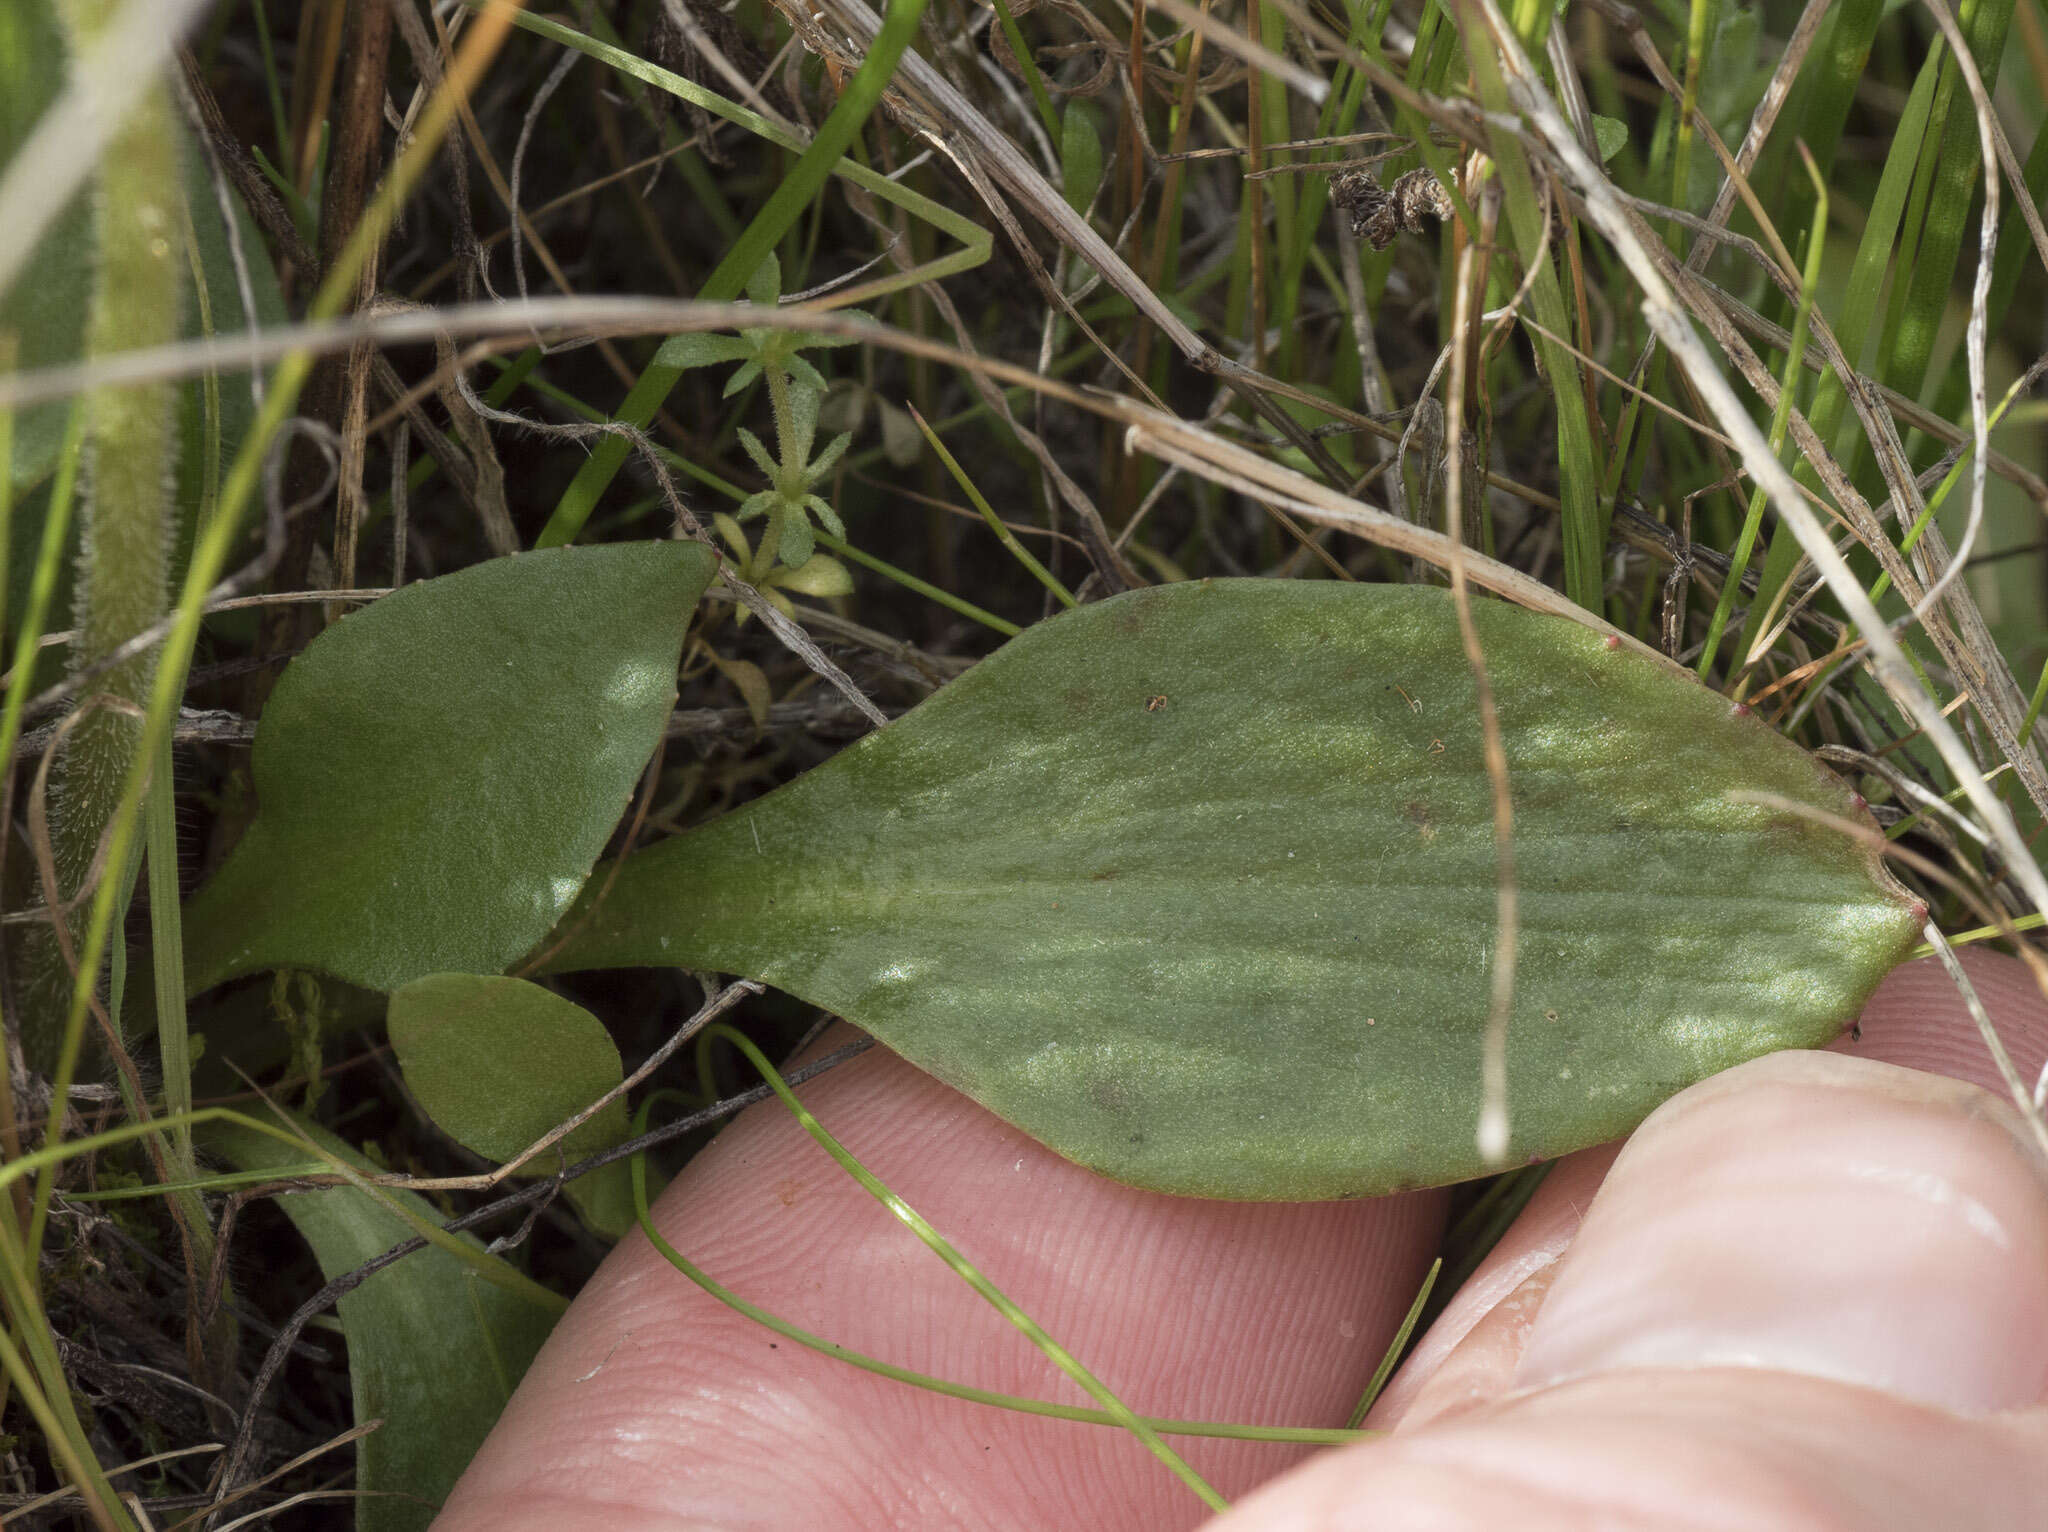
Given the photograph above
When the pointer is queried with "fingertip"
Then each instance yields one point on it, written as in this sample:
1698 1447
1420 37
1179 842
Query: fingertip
1654 1452
1468 1355
1915 1019
1816 1214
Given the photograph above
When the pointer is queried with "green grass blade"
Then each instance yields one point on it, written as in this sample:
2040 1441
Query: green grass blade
2015 251
1392 1357
1584 519
1008 538
1788 390
1699 27
1954 189
909 581
49 563
1873 254
1028 67
1828 85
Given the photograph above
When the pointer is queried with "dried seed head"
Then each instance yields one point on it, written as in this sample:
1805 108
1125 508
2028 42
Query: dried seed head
1378 213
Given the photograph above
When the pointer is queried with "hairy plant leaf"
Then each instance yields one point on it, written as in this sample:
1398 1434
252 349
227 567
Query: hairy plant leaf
497 1062
434 1351
436 774
1197 886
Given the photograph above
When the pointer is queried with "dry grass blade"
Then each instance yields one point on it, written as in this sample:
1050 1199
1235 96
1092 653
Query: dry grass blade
1170 437
1980 297
1493 1127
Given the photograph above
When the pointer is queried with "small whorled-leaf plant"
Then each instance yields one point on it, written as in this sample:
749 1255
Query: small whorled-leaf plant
796 392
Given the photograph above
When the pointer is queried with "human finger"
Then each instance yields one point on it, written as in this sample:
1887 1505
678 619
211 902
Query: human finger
1806 1296
1915 1019
655 1403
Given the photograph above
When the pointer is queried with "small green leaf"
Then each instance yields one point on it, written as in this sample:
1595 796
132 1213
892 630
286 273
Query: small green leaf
730 534
821 575
437 772
498 1062
834 450
1080 157
797 539
764 284
434 1351
748 679
827 517
1610 134
1197 886
706 350
803 427
763 458
756 504
802 375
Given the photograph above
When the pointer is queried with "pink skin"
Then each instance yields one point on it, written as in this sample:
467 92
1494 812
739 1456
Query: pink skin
1807 1298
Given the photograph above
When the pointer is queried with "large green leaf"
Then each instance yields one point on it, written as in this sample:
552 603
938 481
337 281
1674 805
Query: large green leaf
1197 886
433 1350
436 774
497 1062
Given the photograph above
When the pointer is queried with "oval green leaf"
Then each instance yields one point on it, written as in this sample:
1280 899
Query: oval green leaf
1197 886
436 774
498 1062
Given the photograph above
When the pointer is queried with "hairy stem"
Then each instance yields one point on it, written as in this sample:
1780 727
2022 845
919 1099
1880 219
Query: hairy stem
130 456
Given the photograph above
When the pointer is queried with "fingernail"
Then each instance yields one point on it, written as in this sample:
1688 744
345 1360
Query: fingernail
1820 1215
